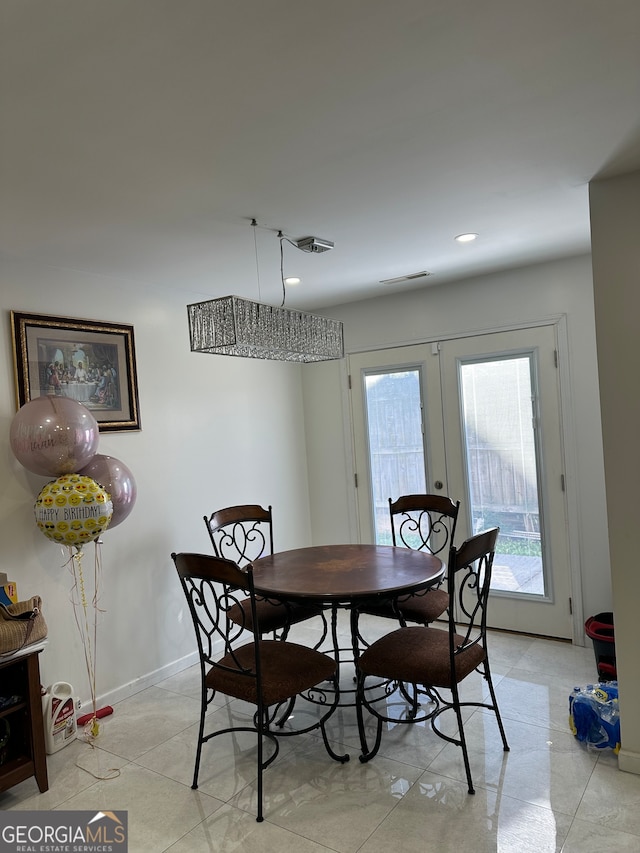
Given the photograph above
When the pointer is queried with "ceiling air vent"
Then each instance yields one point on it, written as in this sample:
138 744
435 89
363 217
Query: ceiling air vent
414 276
313 244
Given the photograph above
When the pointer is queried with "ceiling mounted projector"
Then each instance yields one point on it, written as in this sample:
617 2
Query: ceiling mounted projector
313 244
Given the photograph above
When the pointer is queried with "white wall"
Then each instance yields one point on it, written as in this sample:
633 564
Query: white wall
615 222
215 431
488 302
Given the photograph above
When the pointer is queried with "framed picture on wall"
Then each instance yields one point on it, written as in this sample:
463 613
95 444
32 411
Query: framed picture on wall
90 361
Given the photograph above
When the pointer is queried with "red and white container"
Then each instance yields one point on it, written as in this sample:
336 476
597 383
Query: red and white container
59 714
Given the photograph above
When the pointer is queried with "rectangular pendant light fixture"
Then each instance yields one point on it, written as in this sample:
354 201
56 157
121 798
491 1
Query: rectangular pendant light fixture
235 326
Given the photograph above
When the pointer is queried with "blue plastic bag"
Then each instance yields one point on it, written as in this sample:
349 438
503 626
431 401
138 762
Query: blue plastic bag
594 716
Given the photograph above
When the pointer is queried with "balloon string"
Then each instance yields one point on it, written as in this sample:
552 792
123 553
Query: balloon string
89 657
89 638
97 570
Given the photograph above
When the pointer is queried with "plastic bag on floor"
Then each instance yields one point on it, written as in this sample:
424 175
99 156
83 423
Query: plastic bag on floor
594 716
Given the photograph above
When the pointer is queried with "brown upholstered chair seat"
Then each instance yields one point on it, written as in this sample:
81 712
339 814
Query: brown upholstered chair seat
422 608
418 655
287 669
272 615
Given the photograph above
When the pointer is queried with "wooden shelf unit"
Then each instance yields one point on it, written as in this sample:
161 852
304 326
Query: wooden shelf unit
24 753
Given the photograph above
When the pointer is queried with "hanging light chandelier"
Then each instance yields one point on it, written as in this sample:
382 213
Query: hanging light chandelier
232 325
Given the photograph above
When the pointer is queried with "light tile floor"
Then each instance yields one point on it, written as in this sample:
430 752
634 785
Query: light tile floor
549 793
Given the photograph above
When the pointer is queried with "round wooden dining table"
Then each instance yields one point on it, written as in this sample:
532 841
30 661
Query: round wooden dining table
345 574
344 577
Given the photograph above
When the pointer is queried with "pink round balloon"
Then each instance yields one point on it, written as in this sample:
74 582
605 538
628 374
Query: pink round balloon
114 476
53 436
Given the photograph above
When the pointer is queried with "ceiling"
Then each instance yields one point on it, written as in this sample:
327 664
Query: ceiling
140 137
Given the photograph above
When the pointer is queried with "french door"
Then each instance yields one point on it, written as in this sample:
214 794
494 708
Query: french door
475 418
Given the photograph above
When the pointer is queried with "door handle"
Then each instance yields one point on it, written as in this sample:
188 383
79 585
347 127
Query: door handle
438 484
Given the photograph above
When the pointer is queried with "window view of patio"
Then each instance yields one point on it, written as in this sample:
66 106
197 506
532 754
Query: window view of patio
396 447
498 426
500 447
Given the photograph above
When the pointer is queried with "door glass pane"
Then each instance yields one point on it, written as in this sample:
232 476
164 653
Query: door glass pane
502 470
396 449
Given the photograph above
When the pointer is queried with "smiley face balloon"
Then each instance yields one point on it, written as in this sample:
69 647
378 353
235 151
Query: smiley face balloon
73 510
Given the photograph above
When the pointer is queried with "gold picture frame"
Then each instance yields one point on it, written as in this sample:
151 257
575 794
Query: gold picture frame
90 361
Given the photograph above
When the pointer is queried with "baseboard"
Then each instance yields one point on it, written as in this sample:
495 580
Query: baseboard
148 680
629 761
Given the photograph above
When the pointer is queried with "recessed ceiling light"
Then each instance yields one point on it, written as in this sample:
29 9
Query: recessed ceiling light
466 238
292 279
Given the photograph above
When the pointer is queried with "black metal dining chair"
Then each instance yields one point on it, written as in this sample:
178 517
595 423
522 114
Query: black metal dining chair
268 674
422 523
432 660
244 533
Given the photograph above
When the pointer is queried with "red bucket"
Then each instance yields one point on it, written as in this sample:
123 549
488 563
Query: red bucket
600 630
